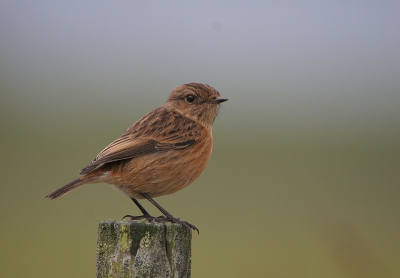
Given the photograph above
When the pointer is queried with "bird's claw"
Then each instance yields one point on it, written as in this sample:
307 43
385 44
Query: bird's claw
162 219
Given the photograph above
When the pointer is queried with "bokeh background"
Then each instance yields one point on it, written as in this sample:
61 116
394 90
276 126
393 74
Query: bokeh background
304 177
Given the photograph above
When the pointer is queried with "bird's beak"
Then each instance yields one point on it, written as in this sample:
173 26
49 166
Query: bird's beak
218 100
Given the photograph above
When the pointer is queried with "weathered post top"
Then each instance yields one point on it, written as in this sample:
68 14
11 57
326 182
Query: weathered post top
143 249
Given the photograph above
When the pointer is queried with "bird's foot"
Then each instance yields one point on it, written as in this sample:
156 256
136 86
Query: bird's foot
185 224
148 217
162 219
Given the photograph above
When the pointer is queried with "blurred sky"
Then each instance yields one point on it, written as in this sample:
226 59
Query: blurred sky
311 125
309 64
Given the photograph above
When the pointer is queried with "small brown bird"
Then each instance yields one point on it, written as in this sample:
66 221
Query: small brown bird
162 153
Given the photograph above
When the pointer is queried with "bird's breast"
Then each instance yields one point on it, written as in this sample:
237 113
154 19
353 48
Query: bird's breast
165 172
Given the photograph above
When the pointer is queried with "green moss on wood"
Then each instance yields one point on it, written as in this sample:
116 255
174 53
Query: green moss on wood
143 249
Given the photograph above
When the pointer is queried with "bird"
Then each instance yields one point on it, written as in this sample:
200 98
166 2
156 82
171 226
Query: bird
160 154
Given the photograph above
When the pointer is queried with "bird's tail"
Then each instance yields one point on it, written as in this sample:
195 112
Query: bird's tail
66 188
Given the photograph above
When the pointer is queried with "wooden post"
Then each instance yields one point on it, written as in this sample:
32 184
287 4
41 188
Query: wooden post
143 249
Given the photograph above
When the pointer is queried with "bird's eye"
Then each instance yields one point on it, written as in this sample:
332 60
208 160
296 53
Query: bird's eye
190 98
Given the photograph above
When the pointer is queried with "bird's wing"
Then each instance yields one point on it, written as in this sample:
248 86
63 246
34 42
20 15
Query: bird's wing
160 130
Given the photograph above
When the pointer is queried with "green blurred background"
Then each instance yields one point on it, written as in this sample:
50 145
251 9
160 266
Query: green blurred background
304 176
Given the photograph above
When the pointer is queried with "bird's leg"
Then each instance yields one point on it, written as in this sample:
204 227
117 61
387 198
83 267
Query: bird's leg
146 215
169 216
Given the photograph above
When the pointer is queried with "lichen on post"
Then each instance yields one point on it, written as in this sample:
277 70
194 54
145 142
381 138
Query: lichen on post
143 249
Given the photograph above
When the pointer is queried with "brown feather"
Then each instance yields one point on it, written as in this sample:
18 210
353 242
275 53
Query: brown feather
150 134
